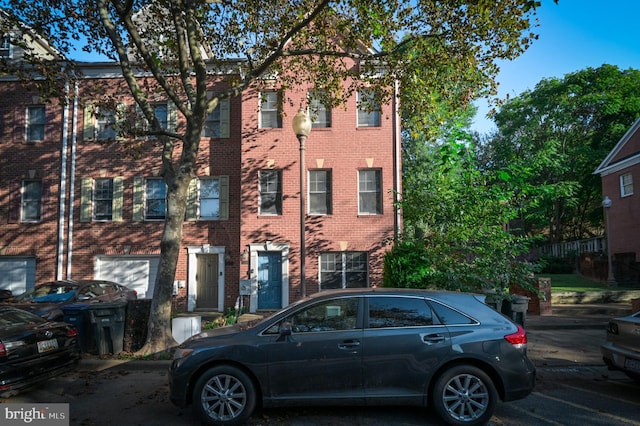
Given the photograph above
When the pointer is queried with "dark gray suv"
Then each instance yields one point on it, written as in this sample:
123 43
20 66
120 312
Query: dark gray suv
359 347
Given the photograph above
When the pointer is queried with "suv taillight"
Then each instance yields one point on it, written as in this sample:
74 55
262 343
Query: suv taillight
72 332
3 350
517 339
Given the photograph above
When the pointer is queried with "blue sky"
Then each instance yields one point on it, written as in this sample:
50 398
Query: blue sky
573 35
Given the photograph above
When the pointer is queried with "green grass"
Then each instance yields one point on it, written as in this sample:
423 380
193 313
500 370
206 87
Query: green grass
574 282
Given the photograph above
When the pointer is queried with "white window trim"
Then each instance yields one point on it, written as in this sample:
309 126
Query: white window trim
93 200
622 187
379 192
146 183
199 208
27 123
277 109
8 49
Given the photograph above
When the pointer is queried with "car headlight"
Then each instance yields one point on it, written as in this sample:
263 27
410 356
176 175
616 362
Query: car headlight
182 353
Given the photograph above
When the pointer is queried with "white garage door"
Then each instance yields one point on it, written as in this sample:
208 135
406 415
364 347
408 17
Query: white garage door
135 272
17 274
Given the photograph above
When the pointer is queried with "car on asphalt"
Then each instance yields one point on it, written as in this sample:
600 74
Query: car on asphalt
621 350
47 300
359 347
33 349
5 294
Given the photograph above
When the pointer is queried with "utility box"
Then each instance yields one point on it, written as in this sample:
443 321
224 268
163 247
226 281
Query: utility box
184 327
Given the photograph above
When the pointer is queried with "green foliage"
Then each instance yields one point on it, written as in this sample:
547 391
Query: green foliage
458 222
553 137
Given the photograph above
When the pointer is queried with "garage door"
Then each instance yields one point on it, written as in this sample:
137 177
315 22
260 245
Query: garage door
135 272
17 274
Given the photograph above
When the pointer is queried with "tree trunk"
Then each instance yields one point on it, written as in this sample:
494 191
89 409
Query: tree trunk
159 336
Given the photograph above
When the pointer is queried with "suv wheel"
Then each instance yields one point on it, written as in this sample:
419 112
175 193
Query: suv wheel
464 395
224 395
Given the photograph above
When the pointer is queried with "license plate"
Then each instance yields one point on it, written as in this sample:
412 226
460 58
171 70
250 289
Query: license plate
47 345
632 364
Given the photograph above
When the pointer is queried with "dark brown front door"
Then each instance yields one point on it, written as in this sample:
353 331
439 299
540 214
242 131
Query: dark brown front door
207 281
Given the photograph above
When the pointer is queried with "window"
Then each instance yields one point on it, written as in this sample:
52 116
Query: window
387 312
369 192
103 199
319 191
626 184
320 112
105 125
368 109
330 315
343 270
448 316
209 199
270 192
35 123
155 199
31 199
6 49
270 116
216 124
211 127
162 114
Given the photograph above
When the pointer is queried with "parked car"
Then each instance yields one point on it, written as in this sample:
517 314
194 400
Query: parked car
47 300
621 351
5 294
33 349
359 347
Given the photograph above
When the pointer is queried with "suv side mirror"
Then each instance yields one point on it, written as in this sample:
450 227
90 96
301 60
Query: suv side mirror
285 329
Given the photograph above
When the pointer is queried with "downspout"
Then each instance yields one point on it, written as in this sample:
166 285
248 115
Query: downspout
74 143
397 160
63 181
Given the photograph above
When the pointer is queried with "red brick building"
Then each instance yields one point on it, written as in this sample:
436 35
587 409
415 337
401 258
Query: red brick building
74 204
619 173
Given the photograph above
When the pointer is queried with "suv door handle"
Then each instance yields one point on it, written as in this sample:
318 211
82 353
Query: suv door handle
349 345
430 339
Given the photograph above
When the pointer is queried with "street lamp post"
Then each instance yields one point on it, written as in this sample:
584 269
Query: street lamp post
611 279
302 127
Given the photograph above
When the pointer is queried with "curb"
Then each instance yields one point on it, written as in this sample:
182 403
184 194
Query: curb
99 364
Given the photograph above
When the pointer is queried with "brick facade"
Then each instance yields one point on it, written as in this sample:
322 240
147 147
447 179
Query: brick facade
62 245
622 164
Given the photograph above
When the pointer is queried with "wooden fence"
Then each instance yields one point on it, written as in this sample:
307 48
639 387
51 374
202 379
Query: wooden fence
575 248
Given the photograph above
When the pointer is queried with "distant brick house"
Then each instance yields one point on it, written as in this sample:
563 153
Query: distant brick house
72 206
620 173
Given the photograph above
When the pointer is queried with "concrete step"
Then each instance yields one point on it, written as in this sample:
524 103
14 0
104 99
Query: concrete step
593 297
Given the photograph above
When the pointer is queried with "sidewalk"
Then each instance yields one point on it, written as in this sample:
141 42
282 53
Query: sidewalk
572 336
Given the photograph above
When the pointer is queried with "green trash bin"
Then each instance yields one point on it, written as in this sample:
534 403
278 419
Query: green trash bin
107 321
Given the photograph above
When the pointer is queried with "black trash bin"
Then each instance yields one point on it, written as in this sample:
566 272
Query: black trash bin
107 321
516 309
77 315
